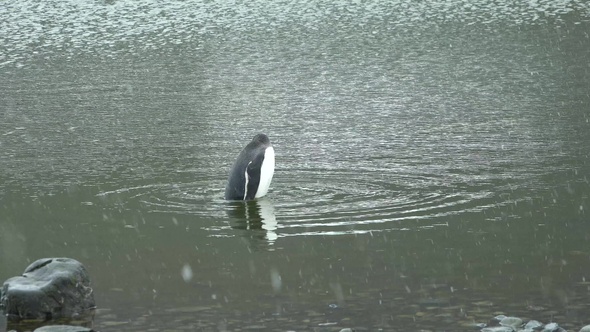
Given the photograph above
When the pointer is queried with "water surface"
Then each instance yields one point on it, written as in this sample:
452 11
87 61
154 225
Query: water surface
432 160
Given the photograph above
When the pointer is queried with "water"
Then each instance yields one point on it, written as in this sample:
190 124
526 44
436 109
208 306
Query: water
432 160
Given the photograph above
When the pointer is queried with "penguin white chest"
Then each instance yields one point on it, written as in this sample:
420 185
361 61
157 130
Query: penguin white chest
266 172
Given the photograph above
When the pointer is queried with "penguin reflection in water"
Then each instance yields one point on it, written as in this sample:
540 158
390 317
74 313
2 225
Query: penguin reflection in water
252 172
255 221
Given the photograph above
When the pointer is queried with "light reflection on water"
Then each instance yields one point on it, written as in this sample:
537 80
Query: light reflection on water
66 28
431 159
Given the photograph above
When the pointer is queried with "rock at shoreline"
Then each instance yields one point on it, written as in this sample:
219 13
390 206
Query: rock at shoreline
50 288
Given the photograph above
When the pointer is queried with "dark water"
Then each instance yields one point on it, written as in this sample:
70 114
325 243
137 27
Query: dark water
433 160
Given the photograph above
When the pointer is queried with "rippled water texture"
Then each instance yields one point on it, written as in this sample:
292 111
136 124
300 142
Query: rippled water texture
432 159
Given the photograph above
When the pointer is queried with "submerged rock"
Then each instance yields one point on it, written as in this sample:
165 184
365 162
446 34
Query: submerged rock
50 288
63 328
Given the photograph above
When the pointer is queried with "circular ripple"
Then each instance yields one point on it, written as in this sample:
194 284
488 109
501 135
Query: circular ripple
330 200
326 201
200 198
335 201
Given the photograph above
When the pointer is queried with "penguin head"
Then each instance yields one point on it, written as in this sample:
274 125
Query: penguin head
261 139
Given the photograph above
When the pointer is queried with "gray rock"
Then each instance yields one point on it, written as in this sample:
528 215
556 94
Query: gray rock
585 328
533 324
63 328
513 322
497 329
550 327
50 288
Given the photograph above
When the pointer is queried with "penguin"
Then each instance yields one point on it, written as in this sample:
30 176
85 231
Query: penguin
252 172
